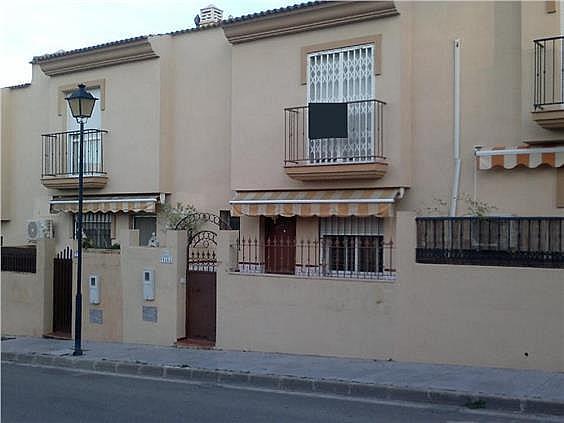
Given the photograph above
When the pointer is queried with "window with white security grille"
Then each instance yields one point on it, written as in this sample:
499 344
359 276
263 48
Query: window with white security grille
352 245
339 76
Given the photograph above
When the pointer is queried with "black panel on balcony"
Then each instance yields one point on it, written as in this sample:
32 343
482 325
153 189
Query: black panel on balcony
327 120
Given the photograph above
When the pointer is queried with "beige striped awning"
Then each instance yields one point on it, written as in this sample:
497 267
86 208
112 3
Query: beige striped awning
342 203
524 156
105 204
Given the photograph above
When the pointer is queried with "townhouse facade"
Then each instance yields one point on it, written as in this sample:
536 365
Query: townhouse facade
319 131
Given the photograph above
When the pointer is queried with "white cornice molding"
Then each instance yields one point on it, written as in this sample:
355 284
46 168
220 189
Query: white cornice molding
105 56
299 20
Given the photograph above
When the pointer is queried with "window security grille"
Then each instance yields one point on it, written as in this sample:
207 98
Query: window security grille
337 76
97 227
353 244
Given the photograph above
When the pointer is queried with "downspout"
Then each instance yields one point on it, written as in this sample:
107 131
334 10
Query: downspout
456 132
476 164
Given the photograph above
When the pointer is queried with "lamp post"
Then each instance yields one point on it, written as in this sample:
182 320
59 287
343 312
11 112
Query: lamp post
81 104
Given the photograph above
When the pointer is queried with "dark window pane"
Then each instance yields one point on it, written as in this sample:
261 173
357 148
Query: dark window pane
147 225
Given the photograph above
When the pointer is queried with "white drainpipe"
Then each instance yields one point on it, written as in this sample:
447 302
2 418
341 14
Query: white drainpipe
456 134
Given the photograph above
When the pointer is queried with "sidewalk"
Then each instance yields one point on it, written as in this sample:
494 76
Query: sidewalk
505 389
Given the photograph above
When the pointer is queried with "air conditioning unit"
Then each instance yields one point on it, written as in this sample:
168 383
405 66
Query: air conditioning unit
40 229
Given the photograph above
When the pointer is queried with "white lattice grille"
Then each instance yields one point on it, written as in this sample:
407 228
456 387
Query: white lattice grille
344 75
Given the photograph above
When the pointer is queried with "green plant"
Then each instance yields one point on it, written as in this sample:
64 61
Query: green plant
439 207
175 216
477 208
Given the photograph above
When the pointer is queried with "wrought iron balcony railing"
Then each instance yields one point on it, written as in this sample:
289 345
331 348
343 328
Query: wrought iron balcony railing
60 152
364 142
548 89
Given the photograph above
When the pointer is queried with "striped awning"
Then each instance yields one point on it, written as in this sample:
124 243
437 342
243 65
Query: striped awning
105 204
343 203
525 156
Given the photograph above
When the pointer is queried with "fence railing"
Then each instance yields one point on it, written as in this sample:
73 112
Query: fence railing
491 241
355 257
19 259
60 152
365 141
548 89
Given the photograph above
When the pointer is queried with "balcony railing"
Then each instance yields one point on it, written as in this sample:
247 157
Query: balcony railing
60 153
364 142
491 241
548 87
351 257
19 259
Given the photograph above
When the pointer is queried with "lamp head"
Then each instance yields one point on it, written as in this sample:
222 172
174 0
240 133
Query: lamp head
81 103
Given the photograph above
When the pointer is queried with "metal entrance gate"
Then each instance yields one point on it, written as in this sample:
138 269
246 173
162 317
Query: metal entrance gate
201 274
62 292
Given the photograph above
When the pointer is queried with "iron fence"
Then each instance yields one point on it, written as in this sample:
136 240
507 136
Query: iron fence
340 256
365 141
19 259
548 87
60 152
491 241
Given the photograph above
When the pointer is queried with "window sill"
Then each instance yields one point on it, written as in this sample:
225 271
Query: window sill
71 181
375 169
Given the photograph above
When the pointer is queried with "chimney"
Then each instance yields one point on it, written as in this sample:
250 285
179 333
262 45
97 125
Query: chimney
210 15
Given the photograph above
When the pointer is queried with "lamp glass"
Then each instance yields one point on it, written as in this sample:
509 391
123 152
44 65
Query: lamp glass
81 103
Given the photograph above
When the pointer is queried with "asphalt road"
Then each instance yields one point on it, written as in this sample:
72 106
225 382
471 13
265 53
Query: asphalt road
41 394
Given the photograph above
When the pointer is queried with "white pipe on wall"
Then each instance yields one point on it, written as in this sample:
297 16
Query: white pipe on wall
456 132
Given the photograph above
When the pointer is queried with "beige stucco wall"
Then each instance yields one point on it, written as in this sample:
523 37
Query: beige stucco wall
104 264
266 77
477 315
305 316
27 298
472 315
170 289
200 108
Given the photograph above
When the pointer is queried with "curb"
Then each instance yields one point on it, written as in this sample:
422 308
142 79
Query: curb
296 384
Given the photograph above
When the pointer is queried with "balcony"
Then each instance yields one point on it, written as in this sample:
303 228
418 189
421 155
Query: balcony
60 152
548 89
358 156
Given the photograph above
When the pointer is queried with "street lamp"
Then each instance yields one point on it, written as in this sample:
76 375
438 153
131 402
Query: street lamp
81 104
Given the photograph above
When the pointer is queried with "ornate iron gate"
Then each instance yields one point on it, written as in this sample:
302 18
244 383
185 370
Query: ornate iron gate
62 293
201 266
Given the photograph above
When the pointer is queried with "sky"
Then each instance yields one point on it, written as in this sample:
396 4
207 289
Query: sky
34 27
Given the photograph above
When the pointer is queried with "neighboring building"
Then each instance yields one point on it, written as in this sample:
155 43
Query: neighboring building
321 126
160 132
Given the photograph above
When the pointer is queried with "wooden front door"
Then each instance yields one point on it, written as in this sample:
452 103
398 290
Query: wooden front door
280 245
201 305
62 292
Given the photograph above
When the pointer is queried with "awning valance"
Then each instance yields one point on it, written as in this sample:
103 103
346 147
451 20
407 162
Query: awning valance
525 156
342 203
105 204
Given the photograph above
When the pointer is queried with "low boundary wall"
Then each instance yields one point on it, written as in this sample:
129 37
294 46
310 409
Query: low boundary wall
472 315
